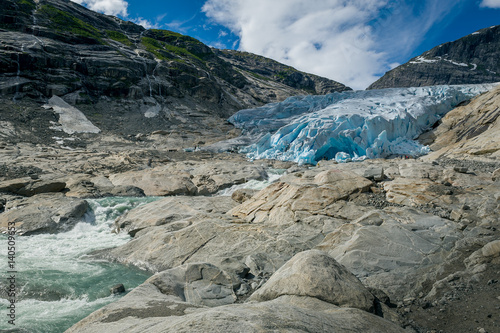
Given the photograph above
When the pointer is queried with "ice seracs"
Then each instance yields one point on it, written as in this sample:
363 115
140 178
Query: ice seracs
349 125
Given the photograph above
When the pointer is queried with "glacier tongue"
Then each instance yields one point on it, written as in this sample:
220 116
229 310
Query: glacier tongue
350 125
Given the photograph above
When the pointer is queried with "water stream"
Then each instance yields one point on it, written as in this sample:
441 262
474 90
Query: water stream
57 283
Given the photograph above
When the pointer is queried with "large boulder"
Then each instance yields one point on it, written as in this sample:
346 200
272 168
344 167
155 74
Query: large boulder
156 182
311 191
315 274
385 247
170 210
43 213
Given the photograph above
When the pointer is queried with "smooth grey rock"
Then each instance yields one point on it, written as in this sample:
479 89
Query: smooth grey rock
315 274
286 313
170 210
43 213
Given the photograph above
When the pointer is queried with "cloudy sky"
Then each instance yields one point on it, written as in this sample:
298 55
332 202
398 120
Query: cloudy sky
350 41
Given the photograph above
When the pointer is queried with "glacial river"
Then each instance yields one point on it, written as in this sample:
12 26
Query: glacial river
56 283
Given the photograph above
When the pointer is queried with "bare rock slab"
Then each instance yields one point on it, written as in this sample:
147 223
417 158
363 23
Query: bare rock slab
309 191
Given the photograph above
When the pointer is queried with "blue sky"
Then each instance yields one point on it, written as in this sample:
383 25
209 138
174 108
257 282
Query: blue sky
353 42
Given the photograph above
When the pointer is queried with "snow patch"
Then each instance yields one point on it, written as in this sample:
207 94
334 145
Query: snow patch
71 119
421 60
350 125
457 63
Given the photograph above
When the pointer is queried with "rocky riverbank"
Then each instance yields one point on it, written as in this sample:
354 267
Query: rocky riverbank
420 236
379 245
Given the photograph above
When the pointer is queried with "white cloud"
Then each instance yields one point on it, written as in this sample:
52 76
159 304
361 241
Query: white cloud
352 42
108 7
490 3
145 23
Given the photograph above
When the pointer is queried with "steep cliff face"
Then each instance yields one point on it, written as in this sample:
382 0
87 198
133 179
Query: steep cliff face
124 77
471 59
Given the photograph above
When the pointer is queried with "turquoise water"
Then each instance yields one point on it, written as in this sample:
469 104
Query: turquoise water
57 284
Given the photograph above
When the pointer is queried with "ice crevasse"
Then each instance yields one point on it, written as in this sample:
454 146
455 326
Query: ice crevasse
351 125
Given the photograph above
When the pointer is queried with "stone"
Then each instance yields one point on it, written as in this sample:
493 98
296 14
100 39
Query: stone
14 185
117 289
492 249
243 195
311 191
200 284
155 183
496 175
43 213
383 247
315 274
41 186
170 210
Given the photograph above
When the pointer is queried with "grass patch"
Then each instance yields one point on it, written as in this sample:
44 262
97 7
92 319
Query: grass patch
64 22
119 37
156 47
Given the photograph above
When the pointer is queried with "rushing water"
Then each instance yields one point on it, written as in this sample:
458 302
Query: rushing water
57 284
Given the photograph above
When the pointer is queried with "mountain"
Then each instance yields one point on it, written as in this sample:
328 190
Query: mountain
126 79
468 60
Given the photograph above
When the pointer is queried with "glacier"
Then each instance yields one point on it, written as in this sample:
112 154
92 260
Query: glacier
350 125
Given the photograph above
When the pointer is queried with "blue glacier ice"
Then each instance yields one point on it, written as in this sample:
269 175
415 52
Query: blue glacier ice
351 125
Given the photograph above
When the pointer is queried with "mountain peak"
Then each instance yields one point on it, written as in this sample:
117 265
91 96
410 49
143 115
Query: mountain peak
469 60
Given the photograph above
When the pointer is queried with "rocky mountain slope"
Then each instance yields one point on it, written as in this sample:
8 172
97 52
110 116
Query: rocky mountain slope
468 60
126 79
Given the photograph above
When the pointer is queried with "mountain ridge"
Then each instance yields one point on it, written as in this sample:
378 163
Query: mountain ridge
468 60
117 70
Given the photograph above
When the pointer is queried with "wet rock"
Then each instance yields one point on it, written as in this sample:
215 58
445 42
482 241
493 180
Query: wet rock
43 213
117 289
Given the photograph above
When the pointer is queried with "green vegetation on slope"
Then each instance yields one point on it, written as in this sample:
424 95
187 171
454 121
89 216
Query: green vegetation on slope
119 37
64 22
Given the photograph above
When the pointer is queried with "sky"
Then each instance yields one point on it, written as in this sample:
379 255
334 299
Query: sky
350 41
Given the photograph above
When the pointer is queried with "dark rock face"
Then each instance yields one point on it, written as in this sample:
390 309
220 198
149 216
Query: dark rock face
468 60
268 69
118 73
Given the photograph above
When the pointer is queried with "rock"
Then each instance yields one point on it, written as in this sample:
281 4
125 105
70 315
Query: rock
383 247
374 173
117 289
170 210
155 183
191 178
14 185
43 213
496 175
492 249
199 284
315 274
470 131
243 195
42 186
287 313
311 191
410 191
